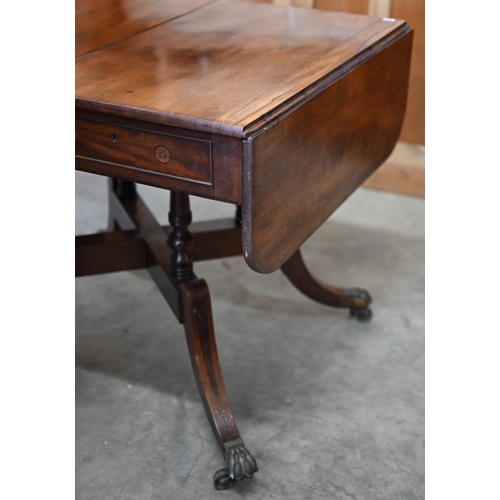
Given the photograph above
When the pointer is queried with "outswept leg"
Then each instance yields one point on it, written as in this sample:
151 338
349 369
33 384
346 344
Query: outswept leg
354 299
168 254
198 324
196 314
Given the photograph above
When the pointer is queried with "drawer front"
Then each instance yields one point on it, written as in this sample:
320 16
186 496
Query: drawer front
177 157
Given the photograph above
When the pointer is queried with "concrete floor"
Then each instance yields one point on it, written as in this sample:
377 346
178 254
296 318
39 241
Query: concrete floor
331 408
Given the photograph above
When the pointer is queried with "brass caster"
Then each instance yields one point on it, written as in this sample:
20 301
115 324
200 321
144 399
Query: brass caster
222 480
363 315
359 300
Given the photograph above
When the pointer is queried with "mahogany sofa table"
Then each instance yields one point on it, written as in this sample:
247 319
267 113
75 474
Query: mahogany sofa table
281 111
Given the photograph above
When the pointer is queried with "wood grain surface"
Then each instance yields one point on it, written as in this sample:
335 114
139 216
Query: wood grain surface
208 165
101 22
317 97
200 336
224 67
301 167
413 11
168 154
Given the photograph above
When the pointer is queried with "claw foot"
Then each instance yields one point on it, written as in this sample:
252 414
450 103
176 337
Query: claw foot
359 300
240 465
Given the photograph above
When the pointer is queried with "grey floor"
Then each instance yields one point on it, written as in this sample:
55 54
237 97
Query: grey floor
331 408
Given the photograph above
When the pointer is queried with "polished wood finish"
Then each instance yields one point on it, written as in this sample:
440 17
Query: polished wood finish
170 263
102 22
110 253
126 250
198 324
296 271
199 328
356 300
118 217
127 149
195 71
155 239
180 239
315 168
308 68
281 111
170 155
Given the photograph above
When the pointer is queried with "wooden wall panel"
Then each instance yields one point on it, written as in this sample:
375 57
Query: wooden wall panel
402 173
413 11
379 8
353 6
295 3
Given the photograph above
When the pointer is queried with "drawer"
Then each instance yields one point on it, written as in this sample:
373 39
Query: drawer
173 156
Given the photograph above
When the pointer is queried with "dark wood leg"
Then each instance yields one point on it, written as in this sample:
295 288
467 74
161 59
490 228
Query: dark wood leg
238 216
355 299
180 239
168 254
198 324
125 190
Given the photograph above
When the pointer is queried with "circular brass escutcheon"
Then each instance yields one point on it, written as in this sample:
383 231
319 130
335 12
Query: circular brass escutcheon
162 154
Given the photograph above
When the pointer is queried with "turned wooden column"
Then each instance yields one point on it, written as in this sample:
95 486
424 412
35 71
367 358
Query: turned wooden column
180 240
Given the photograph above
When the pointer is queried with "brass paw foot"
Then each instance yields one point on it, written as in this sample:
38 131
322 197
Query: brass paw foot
240 465
359 300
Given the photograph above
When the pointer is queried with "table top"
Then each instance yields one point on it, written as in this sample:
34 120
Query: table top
284 111
224 66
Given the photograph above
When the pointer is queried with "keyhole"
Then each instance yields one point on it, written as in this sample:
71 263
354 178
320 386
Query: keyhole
113 137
